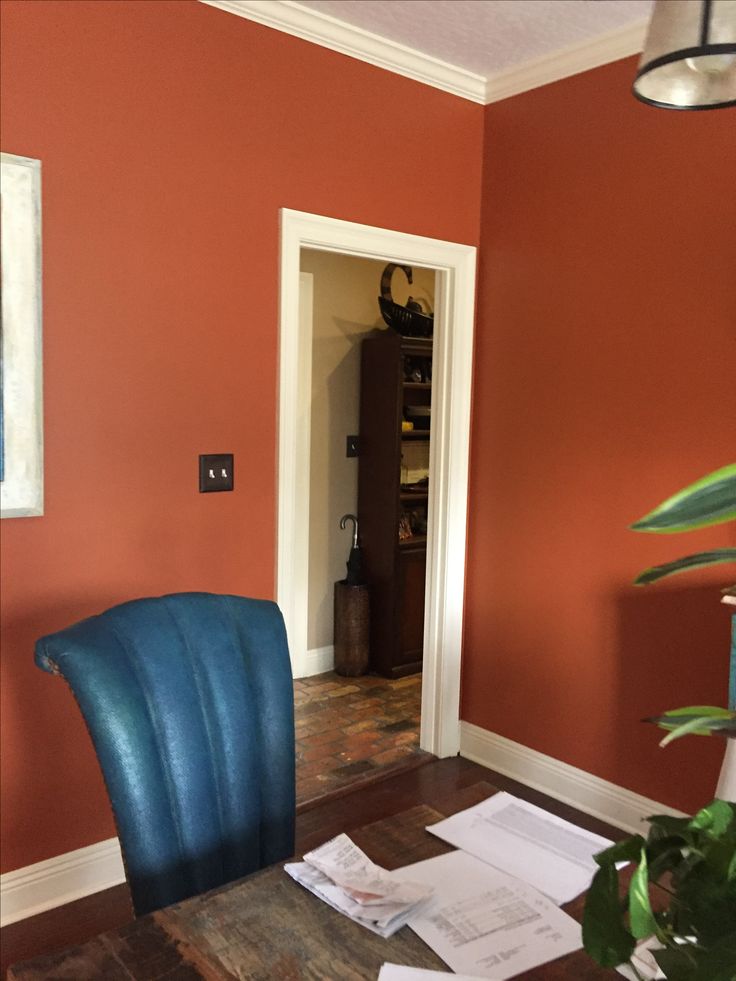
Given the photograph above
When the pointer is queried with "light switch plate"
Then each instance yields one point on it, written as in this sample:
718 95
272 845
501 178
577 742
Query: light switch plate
352 446
215 472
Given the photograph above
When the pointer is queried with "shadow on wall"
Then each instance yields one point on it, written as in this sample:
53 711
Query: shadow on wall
674 640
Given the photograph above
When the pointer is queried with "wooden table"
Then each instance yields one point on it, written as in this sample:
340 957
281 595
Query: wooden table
268 927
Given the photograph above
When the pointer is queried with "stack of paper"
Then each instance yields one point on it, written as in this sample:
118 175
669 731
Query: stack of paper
345 878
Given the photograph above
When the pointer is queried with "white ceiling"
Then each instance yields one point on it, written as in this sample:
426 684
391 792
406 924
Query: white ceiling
487 37
482 50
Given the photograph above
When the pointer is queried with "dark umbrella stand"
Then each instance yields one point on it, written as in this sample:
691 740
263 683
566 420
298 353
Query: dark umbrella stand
352 614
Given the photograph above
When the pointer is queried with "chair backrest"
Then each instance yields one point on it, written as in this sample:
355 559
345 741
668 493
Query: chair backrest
189 702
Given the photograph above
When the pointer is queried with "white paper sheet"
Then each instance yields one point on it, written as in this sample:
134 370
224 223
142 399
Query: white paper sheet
527 842
398 972
485 923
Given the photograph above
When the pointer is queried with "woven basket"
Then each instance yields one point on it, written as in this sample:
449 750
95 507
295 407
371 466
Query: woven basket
408 323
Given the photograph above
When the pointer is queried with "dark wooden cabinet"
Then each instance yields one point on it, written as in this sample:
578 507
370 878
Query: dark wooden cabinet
395 388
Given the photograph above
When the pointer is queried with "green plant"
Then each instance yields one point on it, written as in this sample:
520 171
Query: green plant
692 862
709 501
688 864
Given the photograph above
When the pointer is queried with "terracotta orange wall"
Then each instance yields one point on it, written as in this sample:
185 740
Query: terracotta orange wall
170 135
604 381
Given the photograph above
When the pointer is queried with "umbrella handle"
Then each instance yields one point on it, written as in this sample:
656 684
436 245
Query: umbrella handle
343 523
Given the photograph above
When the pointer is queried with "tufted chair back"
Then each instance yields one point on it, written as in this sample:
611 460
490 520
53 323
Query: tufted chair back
189 702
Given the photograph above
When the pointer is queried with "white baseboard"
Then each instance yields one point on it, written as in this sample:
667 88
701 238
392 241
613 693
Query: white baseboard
56 881
63 879
566 783
318 661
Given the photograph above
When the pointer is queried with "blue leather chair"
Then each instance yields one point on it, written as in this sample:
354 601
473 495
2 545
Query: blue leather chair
189 702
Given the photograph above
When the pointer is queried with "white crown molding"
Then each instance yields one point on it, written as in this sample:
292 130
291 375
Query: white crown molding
568 61
59 880
319 28
593 795
329 32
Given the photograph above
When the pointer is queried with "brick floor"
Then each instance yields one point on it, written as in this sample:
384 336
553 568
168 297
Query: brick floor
353 729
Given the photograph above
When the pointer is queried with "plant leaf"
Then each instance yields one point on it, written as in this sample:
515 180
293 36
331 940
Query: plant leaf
700 720
719 962
641 916
675 717
665 825
694 561
678 963
704 725
627 850
705 901
604 936
716 818
666 855
709 501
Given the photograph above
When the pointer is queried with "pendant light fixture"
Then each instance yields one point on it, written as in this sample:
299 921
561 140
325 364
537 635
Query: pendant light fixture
689 58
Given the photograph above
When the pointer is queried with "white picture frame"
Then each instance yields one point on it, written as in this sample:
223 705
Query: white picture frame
21 413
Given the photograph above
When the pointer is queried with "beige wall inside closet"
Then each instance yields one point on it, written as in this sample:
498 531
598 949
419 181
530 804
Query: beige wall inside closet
345 309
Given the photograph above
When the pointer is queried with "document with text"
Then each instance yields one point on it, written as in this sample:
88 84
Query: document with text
528 842
485 923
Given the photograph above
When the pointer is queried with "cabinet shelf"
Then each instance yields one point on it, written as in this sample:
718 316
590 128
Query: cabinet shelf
395 569
416 541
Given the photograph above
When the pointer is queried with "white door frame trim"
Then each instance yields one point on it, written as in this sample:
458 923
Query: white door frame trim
448 488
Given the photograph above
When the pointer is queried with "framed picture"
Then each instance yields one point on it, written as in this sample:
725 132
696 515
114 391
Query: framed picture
21 408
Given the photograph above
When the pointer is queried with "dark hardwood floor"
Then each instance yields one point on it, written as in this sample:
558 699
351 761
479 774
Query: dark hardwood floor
77 922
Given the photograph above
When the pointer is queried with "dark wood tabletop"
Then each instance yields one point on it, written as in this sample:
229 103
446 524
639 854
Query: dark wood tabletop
268 928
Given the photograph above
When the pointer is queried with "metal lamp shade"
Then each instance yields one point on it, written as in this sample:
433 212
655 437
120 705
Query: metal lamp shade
689 59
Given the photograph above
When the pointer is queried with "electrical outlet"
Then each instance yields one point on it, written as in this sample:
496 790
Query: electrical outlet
351 446
215 472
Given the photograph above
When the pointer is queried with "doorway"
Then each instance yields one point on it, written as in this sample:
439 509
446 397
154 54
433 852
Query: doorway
352 730
455 281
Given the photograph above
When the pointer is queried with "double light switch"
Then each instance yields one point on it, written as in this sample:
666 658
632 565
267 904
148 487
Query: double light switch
215 472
